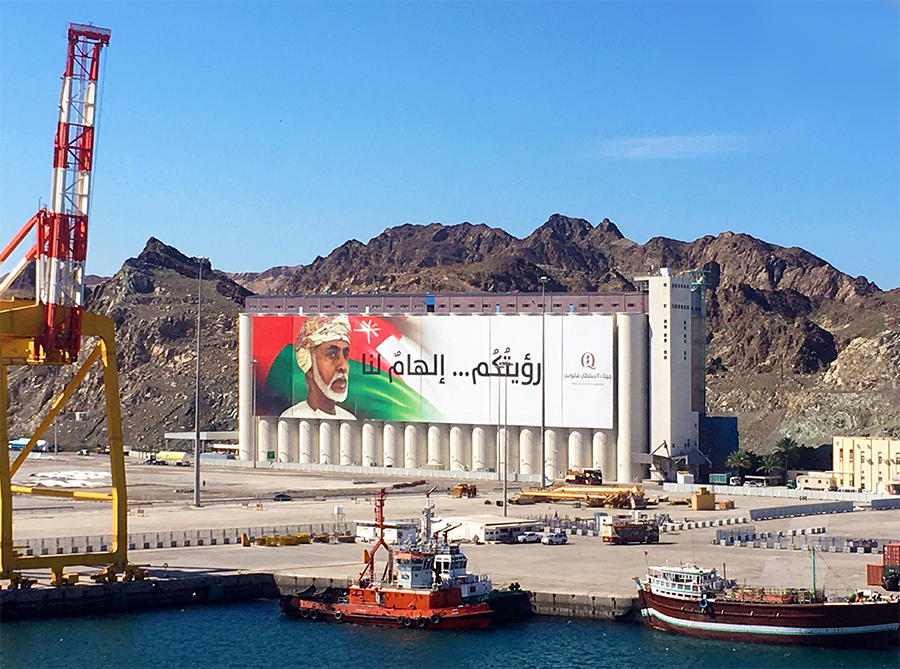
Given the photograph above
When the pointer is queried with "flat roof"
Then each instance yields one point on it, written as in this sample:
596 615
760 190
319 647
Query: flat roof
450 303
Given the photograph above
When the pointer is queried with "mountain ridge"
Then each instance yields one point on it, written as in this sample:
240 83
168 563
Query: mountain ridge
795 347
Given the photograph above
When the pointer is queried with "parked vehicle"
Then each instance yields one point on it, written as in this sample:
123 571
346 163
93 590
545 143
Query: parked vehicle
555 539
281 497
529 538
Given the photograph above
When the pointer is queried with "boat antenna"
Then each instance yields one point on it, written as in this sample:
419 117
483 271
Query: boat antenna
812 550
379 497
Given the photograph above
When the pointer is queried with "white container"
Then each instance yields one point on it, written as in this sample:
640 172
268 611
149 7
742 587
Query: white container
685 478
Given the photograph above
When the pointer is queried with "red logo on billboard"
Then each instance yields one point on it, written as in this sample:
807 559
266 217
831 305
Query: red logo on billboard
587 360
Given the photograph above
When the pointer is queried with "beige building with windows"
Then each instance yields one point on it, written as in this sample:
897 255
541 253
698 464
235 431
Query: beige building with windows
868 463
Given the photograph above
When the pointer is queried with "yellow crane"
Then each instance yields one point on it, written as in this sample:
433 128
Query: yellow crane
48 330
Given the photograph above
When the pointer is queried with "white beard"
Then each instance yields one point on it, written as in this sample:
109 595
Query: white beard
334 396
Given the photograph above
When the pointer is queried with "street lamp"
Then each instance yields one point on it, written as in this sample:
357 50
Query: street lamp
197 390
253 364
543 281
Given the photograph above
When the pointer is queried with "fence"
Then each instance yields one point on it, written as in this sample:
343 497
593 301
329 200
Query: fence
795 510
180 539
799 539
776 492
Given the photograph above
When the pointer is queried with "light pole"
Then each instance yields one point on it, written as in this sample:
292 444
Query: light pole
253 364
197 390
543 281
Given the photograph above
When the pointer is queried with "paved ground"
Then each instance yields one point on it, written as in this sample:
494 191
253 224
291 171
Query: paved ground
585 566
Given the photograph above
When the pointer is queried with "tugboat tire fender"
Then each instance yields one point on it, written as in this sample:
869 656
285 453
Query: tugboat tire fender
304 613
313 614
703 603
435 619
420 622
339 616
405 621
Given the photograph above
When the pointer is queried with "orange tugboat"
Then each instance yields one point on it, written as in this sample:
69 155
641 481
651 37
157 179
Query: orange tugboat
420 594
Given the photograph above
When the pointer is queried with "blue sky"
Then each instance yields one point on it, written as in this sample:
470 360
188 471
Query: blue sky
267 133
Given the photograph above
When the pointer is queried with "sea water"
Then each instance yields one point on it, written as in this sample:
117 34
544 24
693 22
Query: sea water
256 634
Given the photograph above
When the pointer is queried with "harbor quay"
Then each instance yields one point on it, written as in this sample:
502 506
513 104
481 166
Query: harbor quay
585 578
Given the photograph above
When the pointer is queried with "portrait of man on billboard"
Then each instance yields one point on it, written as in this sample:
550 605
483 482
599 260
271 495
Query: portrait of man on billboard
322 351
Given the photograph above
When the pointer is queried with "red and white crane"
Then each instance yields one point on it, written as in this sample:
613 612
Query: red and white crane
61 228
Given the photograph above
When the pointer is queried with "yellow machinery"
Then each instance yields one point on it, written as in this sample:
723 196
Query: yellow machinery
703 500
19 326
48 330
620 497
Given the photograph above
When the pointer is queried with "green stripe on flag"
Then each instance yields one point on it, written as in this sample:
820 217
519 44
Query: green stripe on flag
370 396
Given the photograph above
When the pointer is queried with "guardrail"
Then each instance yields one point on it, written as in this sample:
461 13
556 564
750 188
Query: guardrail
94 543
776 492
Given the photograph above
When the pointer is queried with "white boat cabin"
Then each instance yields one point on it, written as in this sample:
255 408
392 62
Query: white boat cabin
684 582
450 565
414 570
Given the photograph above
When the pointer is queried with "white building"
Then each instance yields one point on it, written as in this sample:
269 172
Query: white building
470 382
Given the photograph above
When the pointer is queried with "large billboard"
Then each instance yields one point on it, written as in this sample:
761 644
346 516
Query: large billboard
467 369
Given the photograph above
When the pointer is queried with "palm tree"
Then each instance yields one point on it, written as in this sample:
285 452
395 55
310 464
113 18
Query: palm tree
740 460
772 464
788 450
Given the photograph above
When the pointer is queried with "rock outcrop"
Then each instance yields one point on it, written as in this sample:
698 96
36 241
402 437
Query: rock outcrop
794 346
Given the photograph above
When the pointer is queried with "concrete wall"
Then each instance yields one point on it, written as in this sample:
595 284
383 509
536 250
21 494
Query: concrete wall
90 598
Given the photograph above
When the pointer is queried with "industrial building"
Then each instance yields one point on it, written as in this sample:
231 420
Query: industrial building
470 382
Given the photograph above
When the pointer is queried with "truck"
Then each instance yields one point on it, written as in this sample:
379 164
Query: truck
625 530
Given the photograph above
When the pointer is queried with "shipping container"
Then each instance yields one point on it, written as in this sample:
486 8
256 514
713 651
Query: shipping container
892 555
874 573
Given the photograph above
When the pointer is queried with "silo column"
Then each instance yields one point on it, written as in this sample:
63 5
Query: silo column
479 449
458 461
526 451
305 438
346 444
369 445
390 445
326 453
411 446
266 437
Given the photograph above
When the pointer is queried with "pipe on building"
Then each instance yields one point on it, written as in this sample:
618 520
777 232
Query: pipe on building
631 337
246 436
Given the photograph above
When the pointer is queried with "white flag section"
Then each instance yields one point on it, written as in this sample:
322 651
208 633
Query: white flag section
490 370
586 372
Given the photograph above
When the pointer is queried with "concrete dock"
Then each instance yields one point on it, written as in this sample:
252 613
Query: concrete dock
584 578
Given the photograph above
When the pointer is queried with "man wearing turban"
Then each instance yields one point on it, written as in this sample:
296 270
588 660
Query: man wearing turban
323 352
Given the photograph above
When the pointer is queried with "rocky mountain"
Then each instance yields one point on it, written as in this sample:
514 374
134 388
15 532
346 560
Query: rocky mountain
794 346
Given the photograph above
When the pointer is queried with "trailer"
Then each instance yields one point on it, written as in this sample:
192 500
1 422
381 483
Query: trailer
624 530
